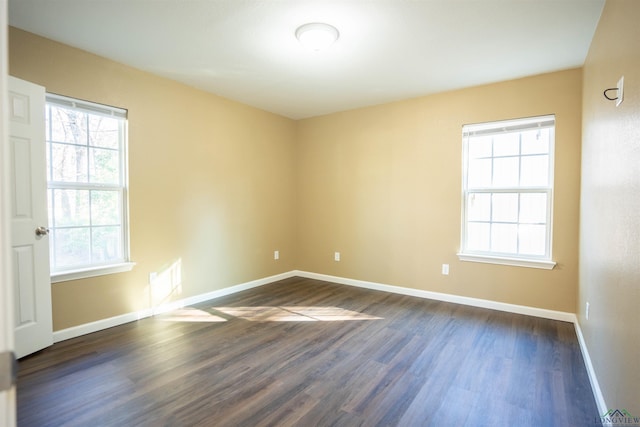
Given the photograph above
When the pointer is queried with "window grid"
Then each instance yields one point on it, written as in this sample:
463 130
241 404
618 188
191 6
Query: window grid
116 243
470 190
490 222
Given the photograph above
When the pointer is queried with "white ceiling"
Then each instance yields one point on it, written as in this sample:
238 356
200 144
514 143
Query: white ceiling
388 50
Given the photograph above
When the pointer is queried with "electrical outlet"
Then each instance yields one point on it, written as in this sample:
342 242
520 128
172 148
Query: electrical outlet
336 256
586 311
445 269
276 255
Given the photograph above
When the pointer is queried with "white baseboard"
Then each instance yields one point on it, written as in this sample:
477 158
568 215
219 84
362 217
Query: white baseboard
174 305
98 325
595 386
87 328
475 302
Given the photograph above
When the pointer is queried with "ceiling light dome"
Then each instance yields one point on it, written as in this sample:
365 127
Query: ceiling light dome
317 36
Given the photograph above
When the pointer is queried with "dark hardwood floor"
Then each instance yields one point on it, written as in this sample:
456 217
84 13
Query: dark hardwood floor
302 352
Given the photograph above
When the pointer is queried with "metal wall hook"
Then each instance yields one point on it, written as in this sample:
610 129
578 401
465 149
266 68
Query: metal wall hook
607 96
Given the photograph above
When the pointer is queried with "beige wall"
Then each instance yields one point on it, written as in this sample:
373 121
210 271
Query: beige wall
211 181
382 185
218 186
610 207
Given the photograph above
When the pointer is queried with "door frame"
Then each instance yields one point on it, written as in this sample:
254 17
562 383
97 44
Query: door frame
7 398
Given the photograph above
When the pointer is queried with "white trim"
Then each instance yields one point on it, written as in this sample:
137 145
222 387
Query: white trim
595 385
509 126
92 272
457 299
196 299
516 262
88 328
98 325
122 187
7 397
477 302
86 106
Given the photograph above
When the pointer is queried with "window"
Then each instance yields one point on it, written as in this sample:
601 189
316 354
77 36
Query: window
508 192
86 188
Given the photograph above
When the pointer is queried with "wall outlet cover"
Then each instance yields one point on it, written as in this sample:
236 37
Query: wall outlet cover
445 269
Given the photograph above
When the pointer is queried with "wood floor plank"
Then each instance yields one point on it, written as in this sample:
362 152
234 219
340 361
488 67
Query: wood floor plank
303 352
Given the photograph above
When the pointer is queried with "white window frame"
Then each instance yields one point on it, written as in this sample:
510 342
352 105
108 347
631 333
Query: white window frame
123 264
507 126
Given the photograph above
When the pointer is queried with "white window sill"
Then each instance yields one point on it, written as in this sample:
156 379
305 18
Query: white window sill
92 272
517 262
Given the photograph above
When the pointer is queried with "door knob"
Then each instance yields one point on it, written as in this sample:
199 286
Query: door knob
42 231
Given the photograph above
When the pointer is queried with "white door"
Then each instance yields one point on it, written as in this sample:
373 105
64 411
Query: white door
29 233
7 390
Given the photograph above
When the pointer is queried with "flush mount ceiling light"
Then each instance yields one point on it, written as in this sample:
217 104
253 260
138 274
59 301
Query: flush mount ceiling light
317 36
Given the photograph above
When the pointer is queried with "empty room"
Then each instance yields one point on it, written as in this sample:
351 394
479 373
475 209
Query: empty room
320 213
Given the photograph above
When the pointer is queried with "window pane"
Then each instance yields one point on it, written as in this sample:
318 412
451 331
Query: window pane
505 207
50 207
532 239
478 235
507 144
533 208
71 247
69 163
48 160
505 172
87 212
52 250
68 126
107 244
535 141
105 208
104 131
479 175
104 166
504 238
47 123
479 206
508 187
71 207
479 147
535 171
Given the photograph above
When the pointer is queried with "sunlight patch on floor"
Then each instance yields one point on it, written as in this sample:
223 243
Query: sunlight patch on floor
294 314
189 314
